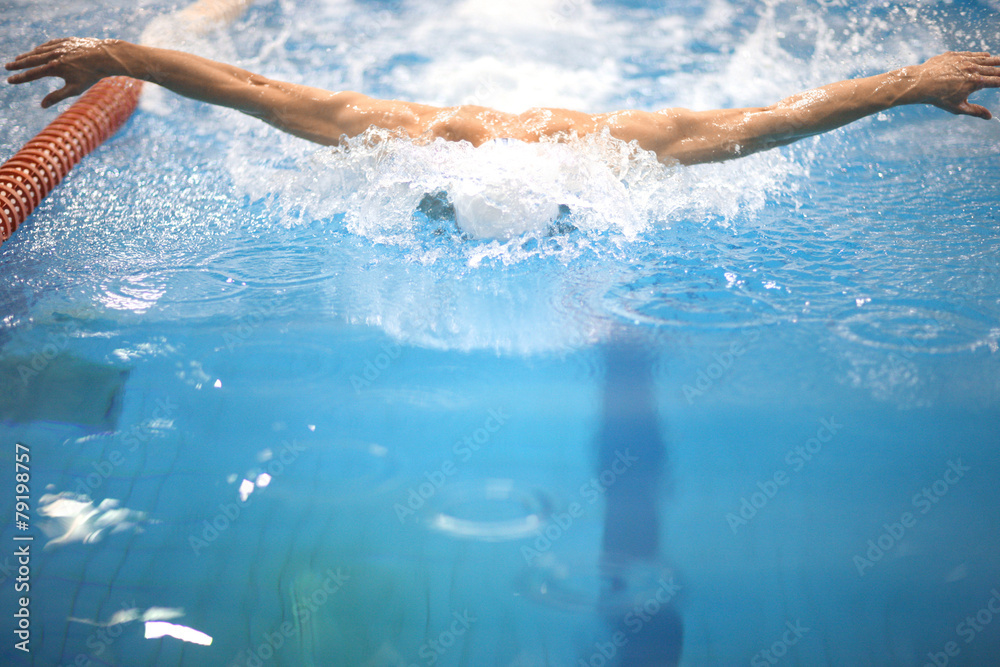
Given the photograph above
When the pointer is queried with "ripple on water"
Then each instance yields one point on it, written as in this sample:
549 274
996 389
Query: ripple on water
271 266
910 326
217 277
490 510
139 291
681 300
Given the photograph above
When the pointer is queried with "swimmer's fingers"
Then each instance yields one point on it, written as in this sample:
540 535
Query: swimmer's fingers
74 85
56 96
32 60
966 108
987 66
53 43
51 68
37 55
83 54
989 77
985 71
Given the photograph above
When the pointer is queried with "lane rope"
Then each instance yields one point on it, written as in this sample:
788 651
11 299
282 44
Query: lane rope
32 173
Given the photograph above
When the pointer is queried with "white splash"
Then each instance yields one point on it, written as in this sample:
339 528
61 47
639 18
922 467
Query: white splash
508 189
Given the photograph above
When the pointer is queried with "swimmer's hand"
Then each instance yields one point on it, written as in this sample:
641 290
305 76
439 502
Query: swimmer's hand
80 62
946 81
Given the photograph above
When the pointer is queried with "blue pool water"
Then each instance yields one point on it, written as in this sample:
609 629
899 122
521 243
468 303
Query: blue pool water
278 395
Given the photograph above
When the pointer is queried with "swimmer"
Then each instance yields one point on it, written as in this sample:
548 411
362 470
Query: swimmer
675 134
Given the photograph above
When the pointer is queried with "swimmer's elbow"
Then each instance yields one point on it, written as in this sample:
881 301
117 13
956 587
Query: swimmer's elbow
725 134
696 137
319 116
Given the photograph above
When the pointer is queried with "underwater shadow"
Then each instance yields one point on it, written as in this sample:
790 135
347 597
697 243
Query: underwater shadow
630 439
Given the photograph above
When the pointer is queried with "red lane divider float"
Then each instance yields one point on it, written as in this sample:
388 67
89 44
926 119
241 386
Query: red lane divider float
34 170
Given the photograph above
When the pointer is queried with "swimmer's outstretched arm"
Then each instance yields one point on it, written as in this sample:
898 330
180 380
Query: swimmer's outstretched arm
946 81
690 137
311 113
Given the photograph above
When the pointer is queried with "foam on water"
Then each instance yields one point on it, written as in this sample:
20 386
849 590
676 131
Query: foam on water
500 190
508 191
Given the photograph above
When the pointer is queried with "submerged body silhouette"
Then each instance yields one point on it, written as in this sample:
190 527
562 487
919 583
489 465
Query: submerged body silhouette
631 435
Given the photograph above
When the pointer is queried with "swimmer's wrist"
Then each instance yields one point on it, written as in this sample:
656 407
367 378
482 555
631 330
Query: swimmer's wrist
907 83
123 59
134 60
